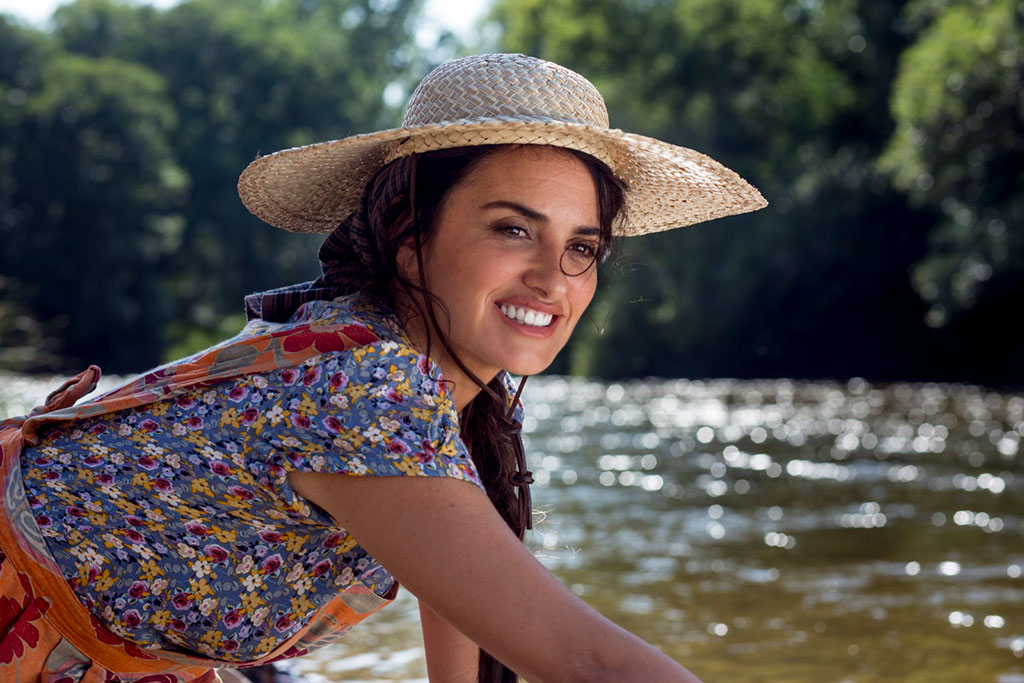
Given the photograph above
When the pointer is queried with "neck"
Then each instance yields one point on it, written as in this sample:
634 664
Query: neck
461 386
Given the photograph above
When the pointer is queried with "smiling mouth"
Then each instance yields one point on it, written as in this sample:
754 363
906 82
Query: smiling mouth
526 316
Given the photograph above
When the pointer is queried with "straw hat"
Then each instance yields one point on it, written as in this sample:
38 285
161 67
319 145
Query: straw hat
488 100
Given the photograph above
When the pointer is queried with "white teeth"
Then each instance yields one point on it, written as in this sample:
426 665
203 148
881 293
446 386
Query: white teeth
526 316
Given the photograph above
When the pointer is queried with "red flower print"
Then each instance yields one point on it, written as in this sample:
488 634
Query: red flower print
229 645
98 429
312 376
178 625
162 485
44 522
90 460
134 536
16 624
233 618
75 511
186 402
135 520
132 618
182 601
359 334
289 375
398 446
321 568
271 564
241 492
43 460
104 479
216 553
249 416
339 380
138 589
194 423
270 536
283 623
238 393
332 423
220 468
394 396
147 463
301 421
333 540
149 425
196 528
424 365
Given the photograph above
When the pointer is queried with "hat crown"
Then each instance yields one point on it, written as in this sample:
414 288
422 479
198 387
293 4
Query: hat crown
508 87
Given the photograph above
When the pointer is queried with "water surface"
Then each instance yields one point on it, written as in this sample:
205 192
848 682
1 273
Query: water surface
766 531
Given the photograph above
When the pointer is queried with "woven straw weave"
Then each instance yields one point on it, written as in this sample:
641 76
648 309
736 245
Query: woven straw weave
489 100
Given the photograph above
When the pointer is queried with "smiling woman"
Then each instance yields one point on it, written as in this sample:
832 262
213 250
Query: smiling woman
261 497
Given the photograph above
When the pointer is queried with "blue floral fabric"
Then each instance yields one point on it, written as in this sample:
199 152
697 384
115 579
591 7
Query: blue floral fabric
175 524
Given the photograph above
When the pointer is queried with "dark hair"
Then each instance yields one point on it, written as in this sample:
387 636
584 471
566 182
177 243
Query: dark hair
483 429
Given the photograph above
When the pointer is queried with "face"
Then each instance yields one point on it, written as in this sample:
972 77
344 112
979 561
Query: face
505 238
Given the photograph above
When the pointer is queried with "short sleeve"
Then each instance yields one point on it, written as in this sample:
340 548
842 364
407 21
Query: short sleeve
376 410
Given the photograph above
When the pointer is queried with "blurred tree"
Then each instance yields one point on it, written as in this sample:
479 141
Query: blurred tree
958 148
129 146
88 184
794 96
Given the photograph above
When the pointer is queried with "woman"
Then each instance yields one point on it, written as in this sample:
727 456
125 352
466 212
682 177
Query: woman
259 498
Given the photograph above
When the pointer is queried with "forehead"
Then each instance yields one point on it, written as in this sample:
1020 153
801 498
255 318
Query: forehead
543 172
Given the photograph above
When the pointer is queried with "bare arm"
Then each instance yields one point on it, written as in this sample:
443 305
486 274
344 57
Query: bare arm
447 544
451 656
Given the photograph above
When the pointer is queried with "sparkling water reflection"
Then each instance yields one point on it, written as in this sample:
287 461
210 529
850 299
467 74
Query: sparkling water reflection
773 530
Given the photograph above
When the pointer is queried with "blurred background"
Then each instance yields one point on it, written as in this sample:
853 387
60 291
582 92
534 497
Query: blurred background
848 506
888 137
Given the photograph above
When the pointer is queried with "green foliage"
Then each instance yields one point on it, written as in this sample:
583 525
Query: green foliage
119 162
958 148
793 96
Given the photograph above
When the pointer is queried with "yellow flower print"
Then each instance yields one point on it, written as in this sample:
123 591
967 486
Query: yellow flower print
407 466
307 406
212 639
230 417
357 391
225 535
160 617
294 542
105 581
151 569
252 600
159 408
201 486
199 586
301 604
266 645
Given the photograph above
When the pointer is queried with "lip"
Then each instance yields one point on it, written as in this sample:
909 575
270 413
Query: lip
528 330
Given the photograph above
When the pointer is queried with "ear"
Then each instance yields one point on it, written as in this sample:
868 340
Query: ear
406 260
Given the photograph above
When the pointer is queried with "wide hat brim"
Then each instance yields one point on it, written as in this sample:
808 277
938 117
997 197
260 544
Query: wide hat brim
500 99
312 188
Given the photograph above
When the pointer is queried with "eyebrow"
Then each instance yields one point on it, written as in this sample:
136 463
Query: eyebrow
534 215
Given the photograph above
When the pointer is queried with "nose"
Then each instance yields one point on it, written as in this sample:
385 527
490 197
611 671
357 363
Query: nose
544 273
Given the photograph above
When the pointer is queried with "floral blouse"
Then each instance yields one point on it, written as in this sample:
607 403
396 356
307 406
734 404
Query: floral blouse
174 522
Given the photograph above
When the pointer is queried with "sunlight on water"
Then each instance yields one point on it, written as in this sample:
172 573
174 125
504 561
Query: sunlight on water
761 531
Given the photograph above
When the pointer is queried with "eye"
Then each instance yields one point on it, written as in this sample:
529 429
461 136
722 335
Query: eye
578 257
513 230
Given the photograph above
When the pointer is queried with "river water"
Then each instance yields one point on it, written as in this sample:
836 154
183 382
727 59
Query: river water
765 531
